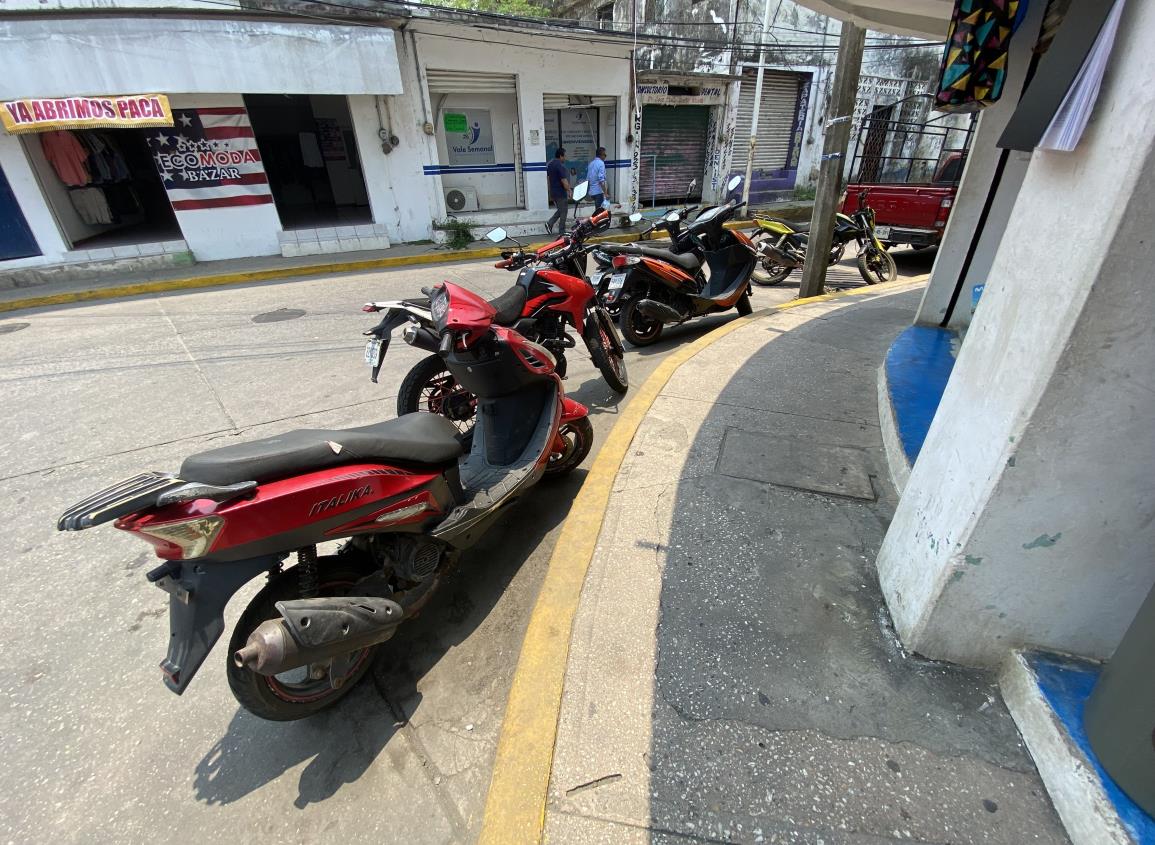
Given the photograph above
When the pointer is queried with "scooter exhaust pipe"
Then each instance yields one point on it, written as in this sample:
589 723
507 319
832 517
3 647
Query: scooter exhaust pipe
315 630
660 311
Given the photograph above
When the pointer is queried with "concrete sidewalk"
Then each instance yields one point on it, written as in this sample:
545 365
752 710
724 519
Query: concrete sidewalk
733 676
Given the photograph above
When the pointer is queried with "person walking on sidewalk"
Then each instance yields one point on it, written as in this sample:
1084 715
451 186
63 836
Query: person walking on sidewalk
559 190
596 176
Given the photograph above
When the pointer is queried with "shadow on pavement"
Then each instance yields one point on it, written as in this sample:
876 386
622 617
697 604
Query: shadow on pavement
782 699
342 743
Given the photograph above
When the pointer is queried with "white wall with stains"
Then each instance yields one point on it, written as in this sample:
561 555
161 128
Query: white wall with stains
1029 516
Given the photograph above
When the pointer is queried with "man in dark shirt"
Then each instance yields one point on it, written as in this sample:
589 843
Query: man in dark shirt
559 190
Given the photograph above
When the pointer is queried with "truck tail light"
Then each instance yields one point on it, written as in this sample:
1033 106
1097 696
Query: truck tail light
943 212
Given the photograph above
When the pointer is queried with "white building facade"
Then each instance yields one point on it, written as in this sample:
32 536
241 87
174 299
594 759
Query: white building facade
288 137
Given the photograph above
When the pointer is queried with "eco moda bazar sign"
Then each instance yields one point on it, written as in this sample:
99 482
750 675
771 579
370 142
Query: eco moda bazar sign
42 115
469 136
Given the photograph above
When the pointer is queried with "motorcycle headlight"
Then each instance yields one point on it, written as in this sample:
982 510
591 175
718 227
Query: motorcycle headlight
439 307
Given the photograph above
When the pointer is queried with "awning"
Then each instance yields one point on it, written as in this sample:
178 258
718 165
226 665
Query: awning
47 114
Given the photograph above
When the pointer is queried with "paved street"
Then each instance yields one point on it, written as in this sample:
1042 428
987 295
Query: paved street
96 748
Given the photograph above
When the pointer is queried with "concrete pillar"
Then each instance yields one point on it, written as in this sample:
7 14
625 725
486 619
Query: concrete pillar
1029 516
963 232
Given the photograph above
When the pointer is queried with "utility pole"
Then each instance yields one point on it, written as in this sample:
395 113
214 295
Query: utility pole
757 99
836 139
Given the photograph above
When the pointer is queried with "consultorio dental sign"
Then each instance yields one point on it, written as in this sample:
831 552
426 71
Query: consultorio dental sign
46 114
658 94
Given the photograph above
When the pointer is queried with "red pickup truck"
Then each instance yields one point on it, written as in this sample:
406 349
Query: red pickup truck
914 214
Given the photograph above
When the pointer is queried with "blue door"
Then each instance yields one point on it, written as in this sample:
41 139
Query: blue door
16 239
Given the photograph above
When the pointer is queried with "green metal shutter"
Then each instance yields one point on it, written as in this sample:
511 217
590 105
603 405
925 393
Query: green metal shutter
673 151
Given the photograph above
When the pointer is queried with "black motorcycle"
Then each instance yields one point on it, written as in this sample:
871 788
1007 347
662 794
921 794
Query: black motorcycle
782 246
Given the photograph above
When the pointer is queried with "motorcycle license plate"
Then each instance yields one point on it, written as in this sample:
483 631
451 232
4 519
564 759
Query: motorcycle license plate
372 350
617 280
882 232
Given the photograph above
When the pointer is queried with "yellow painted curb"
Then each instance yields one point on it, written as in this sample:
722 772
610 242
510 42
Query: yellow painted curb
223 279
518 788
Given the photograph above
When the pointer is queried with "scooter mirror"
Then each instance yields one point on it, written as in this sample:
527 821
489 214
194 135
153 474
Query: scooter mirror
672 217
496 235
734 182
580 190
636 217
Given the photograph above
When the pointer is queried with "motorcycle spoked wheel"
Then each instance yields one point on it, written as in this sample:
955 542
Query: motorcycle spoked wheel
604 352
768 272
876 266
637 328
579 439
430 386
298 693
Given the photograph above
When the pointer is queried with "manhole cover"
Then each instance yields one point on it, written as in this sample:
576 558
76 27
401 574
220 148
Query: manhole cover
279 315
8 328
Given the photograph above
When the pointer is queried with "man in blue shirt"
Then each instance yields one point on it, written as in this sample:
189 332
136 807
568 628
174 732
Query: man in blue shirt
559 190
596 175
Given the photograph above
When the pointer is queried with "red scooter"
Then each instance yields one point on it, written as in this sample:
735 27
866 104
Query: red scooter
551 293
401 491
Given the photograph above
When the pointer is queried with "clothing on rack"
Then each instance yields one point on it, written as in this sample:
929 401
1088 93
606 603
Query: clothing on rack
67 156
92 205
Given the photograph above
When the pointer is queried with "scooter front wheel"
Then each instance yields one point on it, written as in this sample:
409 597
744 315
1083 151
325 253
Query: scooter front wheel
579 439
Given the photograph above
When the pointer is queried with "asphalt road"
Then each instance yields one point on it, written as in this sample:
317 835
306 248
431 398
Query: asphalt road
96 749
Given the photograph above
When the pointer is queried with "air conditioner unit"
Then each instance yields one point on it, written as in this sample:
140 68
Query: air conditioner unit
461 199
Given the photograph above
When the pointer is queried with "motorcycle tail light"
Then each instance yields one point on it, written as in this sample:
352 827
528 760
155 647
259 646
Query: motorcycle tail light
621 261
184 540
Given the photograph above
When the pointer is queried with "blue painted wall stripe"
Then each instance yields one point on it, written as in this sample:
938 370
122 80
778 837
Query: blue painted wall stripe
527 167
918 366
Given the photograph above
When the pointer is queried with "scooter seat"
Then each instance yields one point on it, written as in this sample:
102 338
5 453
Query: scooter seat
509 305
686 260
411 439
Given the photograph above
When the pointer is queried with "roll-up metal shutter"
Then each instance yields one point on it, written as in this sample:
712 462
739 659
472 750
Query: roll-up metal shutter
459 82
775 120
673 151
567 101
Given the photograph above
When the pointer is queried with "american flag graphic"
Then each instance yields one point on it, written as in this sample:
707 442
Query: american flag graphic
209 159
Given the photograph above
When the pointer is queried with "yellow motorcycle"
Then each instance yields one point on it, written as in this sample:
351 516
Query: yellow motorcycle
781 246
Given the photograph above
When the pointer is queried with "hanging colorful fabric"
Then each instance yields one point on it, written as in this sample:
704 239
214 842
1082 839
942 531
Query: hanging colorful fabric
974 63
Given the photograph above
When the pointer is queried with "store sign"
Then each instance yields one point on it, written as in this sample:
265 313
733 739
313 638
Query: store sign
469 136
658 94
43 115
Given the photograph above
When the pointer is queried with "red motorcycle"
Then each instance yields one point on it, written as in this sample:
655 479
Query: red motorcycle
401 491
551 293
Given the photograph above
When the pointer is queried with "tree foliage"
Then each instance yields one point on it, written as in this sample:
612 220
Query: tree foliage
519 8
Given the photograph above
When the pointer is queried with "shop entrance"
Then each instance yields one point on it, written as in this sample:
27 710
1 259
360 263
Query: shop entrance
310 156
581 124
103 186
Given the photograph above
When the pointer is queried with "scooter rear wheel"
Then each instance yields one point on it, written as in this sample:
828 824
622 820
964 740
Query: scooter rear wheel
292 695
637 328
